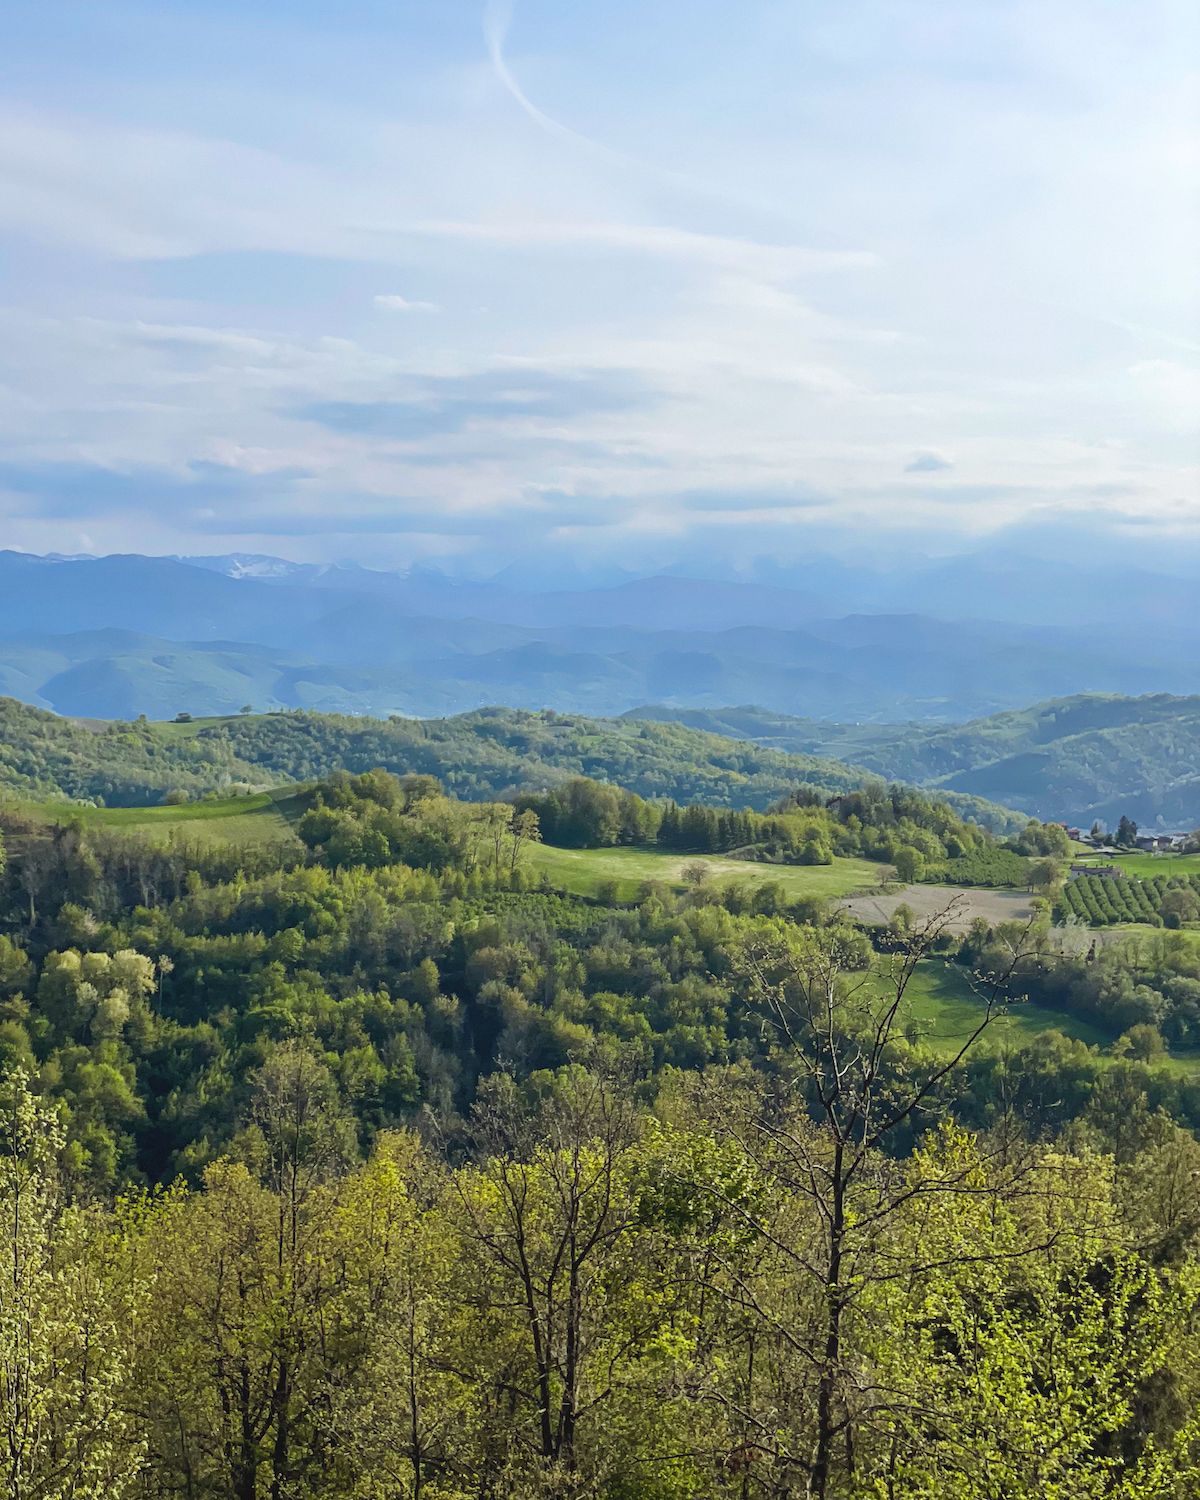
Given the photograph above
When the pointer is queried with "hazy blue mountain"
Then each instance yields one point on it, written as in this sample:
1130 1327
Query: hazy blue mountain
361 659
212 633
150 595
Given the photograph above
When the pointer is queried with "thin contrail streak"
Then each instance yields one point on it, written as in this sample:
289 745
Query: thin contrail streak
497 18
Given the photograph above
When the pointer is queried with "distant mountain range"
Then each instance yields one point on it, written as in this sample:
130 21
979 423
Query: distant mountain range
1080 758
117 636
878 687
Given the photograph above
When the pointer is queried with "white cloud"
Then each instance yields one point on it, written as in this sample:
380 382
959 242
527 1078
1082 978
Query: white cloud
970 237
497 18
393 302
1171 390
149 193
773 262
927 461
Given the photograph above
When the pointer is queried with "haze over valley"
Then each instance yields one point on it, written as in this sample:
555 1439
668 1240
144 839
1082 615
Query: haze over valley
125 635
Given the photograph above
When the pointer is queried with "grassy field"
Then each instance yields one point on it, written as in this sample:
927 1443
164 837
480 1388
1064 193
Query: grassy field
945 1008
964 903
1145 864
262 819
583 871
167 729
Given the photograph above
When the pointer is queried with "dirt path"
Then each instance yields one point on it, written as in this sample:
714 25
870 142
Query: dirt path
926 901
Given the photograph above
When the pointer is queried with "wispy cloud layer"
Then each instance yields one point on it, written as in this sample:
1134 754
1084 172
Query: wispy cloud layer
703 275
393 302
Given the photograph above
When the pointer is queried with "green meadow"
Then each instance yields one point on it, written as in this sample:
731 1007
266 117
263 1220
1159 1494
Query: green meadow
261 819
946 1010
1145 864
584 872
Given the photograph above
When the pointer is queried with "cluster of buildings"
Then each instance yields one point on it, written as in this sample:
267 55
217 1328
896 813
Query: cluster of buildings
1144 843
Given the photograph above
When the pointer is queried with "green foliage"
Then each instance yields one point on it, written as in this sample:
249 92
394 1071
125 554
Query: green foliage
804 828
583 814
988 866
1042 838
416 942
1091 756
596 1298
492 1190
910 863
478 756
67 1313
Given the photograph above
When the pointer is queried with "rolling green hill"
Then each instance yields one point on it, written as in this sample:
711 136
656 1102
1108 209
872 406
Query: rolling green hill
1071 759
1075 759
478 755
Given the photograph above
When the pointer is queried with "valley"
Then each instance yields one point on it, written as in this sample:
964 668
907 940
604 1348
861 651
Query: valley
407 964
599 751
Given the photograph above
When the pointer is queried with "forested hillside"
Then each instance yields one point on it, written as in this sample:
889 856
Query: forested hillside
1078 759
1073 760
365 1163
481 754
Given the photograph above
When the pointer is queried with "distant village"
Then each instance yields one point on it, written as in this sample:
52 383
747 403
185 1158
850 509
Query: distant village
1143 843
1128 841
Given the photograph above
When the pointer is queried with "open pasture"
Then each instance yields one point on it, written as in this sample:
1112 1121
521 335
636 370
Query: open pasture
1144 864
584 872
964 904
944 1009
262 819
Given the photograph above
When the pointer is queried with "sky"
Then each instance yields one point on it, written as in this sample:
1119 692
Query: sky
465 283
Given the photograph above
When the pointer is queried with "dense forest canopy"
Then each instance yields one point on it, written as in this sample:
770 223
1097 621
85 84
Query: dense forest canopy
364 1163
406 935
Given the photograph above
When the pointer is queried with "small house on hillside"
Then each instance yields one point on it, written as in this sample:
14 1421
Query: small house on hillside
1156 843
1102 872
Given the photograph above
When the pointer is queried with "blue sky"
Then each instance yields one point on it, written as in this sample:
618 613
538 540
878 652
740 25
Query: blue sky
648 281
